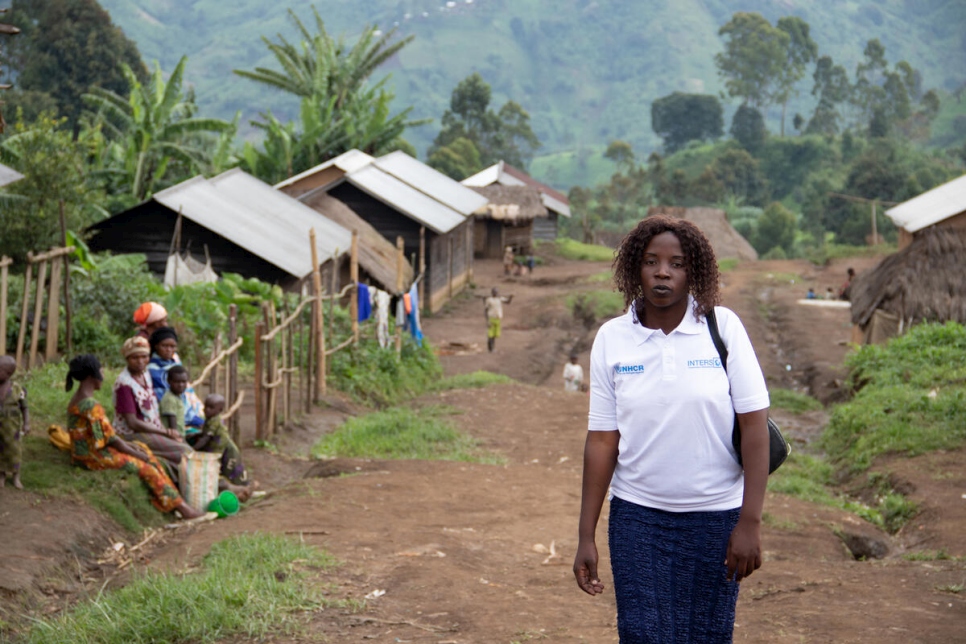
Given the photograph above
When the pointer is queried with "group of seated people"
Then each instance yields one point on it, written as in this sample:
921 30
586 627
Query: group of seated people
157 417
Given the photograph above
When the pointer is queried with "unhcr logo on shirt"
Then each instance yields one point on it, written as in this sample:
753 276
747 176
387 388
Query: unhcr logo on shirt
628 368
707 363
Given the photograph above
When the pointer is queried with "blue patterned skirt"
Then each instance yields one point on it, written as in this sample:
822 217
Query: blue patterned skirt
669 574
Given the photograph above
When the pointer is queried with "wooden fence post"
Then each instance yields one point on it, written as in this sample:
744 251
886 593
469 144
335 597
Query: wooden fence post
233 369
213 379
259 428
53 311
24 307
38 314
320 388
400 262
354 276
67 313
5 263
422 266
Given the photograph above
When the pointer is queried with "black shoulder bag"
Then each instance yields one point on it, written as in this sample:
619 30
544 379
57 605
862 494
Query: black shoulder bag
778 447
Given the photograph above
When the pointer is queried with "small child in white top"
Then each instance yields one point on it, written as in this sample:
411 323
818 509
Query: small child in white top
573 374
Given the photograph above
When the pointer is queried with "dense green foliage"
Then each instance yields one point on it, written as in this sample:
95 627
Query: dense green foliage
910 398
473 136
65 48
679 118
250 586
587 72
404 434
379 377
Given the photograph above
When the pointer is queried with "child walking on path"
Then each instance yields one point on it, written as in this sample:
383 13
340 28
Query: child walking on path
14 422
493 309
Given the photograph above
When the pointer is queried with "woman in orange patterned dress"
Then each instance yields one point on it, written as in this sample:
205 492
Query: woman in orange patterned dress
95 446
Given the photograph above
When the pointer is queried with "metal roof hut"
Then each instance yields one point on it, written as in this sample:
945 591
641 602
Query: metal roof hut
943 206
713 222
923 282
377 257
401 197
555 202
506 220
245 226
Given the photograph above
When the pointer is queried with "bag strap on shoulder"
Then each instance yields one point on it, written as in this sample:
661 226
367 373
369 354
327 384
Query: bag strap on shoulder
716 338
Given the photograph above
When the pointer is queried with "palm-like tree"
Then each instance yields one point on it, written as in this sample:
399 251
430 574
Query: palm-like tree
339 110
151 130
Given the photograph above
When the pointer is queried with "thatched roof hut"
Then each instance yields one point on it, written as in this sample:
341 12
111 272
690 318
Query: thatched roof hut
713 222
377 256
513 204
923 282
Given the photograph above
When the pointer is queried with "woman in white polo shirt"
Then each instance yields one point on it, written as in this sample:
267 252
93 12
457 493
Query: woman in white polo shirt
685 518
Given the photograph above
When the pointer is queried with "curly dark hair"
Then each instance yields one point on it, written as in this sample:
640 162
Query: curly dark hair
702 267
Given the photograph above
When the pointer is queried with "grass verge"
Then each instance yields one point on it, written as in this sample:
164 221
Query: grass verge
378 377
590 306
474 380
403 433
250 585
573 249
792 401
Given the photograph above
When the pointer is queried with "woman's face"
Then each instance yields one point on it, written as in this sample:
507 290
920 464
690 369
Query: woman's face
137 363
664 276
166 348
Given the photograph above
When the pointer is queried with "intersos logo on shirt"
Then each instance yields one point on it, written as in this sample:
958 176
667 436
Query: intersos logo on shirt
628 368
706 363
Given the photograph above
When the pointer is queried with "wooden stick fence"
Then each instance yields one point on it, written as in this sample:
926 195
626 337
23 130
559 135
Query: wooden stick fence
212 371
53 305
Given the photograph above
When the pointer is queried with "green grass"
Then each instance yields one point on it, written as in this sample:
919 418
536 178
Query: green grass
250 586
911 398
48 471
602 277
572 249
378 377
402 433
792 401
595 305
727 264
931 555
474 380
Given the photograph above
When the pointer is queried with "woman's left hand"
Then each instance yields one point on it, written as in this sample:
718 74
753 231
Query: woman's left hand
744 550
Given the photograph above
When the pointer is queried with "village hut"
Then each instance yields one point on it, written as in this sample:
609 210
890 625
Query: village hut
923 282
713 222
506 220
401 197
504 174
378 258
943 206
242 224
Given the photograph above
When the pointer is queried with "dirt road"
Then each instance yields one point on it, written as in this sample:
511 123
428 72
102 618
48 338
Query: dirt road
482 553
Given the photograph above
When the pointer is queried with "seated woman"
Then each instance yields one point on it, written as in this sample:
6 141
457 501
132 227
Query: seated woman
149 317
136 408
95 446
164 355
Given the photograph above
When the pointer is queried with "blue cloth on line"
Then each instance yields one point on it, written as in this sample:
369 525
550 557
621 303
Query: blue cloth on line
413 318
365 304
669 574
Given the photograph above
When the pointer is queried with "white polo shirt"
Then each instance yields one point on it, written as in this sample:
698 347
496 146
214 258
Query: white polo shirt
669 398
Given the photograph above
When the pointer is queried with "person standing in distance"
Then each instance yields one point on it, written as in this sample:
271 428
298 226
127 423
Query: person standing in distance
685 519
493 309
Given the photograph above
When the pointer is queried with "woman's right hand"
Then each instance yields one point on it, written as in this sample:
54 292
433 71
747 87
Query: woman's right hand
585 568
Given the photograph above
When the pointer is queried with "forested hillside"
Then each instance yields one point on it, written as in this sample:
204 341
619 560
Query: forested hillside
587 71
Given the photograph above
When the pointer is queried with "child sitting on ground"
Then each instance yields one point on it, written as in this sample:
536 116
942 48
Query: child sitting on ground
14 422
215 438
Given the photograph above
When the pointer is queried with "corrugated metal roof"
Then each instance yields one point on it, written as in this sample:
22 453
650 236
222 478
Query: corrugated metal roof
8 175
506 175
287 212
932 207
417 205
347 162
273 238
431 182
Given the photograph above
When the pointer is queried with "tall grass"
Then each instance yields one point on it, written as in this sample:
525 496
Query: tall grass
250 586
474 380
402 433
378 377
792 401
